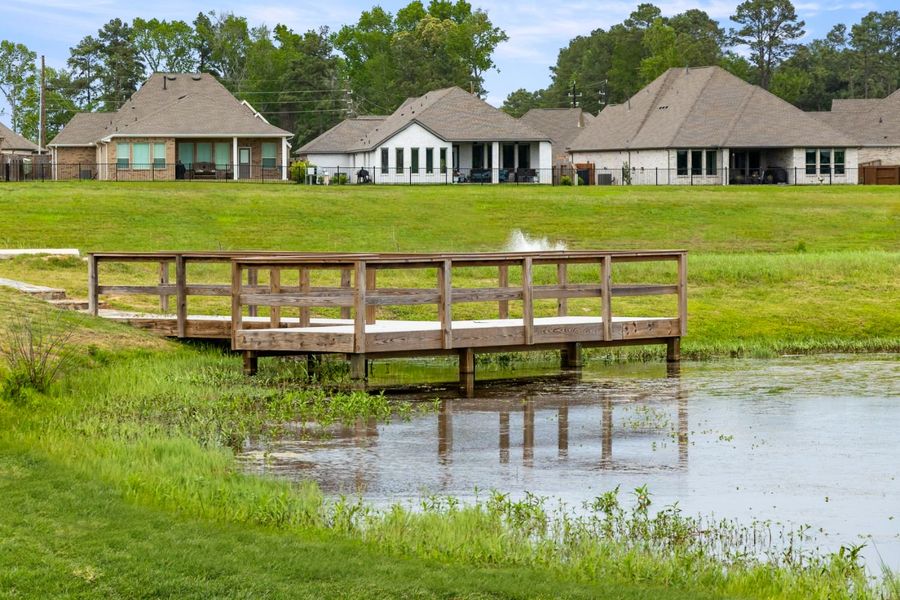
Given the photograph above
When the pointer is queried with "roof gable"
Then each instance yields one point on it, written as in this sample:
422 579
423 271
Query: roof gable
10 140
704 107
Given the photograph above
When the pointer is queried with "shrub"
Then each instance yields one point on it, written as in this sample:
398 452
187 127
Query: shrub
565 180
340 179
299 169
35 353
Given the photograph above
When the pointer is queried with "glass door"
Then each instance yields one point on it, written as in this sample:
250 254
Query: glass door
244 163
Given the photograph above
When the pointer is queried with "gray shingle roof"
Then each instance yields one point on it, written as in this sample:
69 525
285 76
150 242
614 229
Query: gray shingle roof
869 122
452 114
10 140
84 129
349 133
561 125
705 107
174 104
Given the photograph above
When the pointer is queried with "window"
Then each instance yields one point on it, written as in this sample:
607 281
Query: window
696 162
838 162
711 167
681 162
269 155
123 155
159 156
810 162
385 167
443 155
414 160
824 162
204 152
429 160
223 155
399 156
186 154
140 156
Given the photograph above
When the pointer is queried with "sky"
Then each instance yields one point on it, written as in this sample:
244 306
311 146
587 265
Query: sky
537 29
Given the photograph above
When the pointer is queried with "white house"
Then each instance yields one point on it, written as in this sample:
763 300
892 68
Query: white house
706 126
444 136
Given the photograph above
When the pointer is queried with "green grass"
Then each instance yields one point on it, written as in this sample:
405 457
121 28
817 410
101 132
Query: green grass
122 482
772 270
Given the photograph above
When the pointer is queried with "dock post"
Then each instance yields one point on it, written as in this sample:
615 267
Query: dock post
251 363
570 356
673 349
467 372
359 369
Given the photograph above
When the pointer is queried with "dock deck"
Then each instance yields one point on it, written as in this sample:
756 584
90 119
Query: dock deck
341 301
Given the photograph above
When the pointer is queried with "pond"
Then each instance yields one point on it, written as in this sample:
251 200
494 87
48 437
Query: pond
799 441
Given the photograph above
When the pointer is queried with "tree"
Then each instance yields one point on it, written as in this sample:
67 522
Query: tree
222 42
85 64
768 28
165 45
521 101
122 69
17 77
388 58
875 42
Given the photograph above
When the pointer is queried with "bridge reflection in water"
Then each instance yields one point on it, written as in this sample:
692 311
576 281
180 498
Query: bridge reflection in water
608 399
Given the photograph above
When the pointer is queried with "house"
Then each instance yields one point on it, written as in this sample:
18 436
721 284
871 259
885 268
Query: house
176 126
874 125
561 125
443 136
706 126
19 157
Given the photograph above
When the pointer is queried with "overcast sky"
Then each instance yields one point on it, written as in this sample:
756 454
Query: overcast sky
537 29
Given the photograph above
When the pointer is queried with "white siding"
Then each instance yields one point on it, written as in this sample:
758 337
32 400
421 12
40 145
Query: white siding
887 155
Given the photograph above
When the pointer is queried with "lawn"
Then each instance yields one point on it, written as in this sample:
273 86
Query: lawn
120 480
771 269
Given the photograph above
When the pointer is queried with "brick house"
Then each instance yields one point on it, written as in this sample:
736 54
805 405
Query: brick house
176 126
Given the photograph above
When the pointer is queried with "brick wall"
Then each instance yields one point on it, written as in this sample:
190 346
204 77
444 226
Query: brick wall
71 162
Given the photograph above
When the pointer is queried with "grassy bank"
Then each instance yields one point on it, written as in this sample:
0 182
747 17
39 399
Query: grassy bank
121 481
772 270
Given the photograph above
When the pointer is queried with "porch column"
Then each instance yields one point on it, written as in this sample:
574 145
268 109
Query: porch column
285 150
495 162
234 159
515 156
545 163
723 165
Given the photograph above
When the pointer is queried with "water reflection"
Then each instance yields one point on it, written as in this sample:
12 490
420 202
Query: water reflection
745 439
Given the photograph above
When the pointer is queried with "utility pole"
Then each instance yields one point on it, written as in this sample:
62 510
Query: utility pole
42 129
575 95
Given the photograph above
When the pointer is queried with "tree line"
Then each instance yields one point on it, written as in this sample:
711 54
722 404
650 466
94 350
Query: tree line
610 65
306 82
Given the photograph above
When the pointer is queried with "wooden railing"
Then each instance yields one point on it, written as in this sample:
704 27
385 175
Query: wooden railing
173 282
362 295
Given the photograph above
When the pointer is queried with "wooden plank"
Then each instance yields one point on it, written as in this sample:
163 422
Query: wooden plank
345 283
645 328
136 290
606 296
682 294
643 289
304 289
288 341
504 282
527 300
485 294
578 290
404 341
181 294
445 306
164 281
236 312
93 287
311 299
252 281
359 308
275 288
370 287
562 278
403 297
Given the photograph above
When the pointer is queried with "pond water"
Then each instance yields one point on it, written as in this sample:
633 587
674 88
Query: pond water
800 441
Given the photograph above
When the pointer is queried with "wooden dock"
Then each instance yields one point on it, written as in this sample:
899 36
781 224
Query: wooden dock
335 300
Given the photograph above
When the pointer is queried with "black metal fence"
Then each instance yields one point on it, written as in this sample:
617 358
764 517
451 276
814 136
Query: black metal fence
38 169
